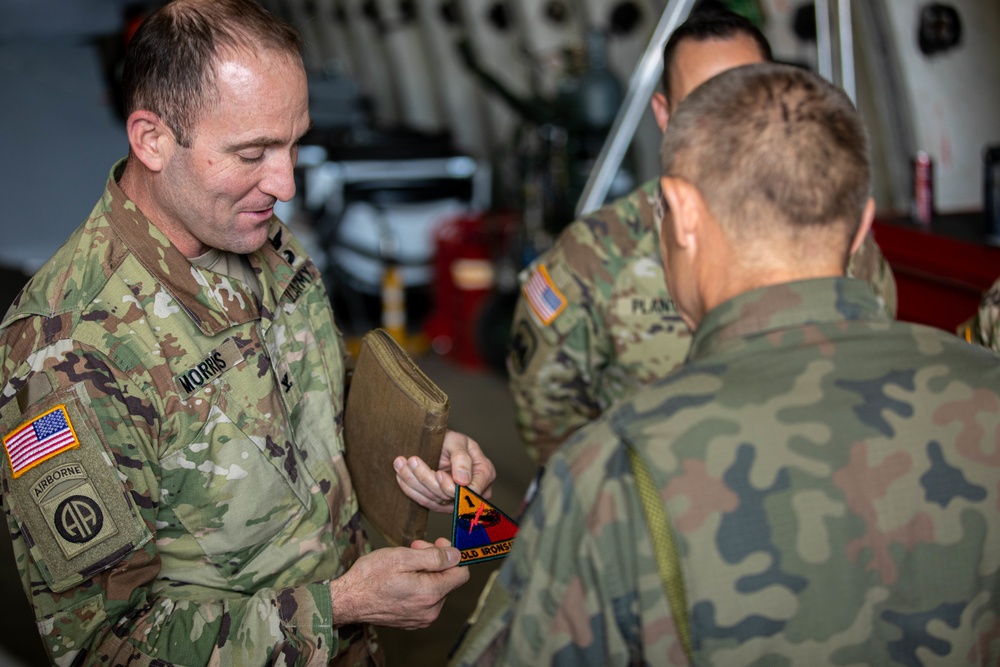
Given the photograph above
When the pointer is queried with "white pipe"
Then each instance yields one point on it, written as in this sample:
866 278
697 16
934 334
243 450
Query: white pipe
846 49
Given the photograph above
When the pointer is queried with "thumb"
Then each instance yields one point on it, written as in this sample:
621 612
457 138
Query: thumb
435 559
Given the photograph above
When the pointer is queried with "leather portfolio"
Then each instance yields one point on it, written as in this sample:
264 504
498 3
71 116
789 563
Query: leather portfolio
393 409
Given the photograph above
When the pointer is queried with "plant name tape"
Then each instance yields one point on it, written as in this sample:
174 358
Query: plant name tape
480 531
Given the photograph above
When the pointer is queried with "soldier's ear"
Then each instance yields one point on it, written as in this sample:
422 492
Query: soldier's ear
151 141
685 212
867 218
661 111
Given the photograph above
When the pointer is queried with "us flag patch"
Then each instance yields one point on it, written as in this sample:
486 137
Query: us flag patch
39 440
543 296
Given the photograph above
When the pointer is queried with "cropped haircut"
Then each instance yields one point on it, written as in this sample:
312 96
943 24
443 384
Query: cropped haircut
706 24
170 62
773 149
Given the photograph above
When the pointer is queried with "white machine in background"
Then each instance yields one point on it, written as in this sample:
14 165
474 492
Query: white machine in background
380 212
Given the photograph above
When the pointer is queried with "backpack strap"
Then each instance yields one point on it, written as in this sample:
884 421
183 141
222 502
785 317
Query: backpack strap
664 548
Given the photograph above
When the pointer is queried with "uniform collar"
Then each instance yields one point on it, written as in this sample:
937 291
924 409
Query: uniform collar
213 302
777 307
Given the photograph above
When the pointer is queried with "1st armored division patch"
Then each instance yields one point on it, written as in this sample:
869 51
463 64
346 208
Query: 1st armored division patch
481 531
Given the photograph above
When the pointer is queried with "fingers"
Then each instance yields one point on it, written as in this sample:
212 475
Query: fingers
483 471
424 486
434 558
455 457
462 463
398 587
424 544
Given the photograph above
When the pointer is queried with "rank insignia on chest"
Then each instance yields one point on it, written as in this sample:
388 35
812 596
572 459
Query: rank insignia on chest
40 439
481 531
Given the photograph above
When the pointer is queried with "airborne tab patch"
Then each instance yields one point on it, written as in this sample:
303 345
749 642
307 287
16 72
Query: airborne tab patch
481 531
218 361
39 440
543 296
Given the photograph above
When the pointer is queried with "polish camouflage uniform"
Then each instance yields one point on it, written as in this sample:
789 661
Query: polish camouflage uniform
984 328
619 328
202 504
831 478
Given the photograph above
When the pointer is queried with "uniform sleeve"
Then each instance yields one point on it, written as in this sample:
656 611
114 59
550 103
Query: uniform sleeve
870 265
550 377
568 593
84 525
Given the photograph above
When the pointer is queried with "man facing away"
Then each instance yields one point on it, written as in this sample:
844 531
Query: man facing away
173 385
594 319
823 481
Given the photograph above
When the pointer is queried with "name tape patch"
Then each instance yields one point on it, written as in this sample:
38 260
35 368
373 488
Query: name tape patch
215 363
39 439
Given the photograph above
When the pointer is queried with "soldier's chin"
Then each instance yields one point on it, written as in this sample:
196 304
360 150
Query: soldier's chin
246 241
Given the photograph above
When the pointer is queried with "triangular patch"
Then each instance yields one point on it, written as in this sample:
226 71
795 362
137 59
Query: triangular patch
481 531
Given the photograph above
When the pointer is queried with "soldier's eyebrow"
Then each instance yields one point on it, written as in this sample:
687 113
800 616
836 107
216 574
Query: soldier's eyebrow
263 141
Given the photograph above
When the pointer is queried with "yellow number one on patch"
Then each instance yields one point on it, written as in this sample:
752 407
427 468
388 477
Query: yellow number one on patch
480 531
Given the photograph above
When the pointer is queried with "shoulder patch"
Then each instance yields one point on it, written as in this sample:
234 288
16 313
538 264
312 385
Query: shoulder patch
39 439
480 530
543 296
522 346
71 503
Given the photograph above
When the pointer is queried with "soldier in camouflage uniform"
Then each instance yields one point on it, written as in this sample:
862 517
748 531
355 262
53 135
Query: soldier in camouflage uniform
828 478
594 320
984 328
173 385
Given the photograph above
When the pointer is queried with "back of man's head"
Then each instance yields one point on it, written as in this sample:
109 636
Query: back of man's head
709 24
776 152
169 65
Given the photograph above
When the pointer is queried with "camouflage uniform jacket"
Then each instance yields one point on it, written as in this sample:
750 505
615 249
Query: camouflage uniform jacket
612 325
832 480
198 503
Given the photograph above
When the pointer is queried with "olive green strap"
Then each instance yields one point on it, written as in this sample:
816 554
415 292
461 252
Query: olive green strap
664 548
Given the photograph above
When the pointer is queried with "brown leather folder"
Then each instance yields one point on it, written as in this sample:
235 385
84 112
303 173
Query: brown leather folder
393 409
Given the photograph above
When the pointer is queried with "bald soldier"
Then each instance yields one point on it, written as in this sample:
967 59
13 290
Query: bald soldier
594 319
817 484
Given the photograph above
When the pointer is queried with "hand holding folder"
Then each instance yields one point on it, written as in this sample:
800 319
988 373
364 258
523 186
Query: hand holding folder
393 409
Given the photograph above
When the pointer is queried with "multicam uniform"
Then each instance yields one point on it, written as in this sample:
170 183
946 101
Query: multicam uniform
195 502
984 328
597 321
832 480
